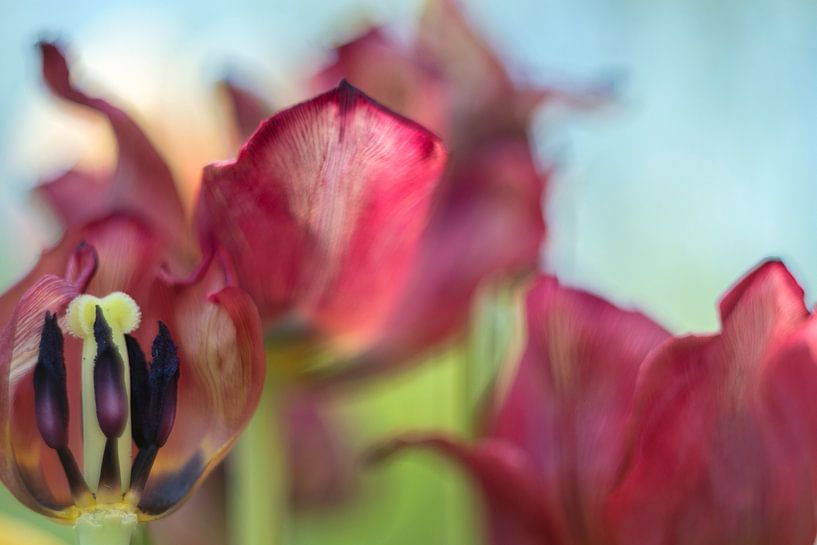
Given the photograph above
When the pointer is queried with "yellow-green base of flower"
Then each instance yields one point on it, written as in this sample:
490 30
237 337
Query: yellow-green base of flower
109 526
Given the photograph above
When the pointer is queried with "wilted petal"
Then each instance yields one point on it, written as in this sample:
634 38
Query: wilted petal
141 183
556 445
716 460
25 459
323 209
487 225
68 258
76 196
220 380
569 404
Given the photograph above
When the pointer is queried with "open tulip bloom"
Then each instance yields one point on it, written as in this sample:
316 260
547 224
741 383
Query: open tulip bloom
132 355
613 432
96 436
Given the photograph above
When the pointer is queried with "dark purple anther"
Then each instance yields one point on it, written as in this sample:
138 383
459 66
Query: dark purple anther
153 399
109 382
164 379
50 396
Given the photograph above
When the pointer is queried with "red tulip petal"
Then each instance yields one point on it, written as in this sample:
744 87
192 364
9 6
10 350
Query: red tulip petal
514 495
487 226
27 465
52 261
141 183
323 209
76 196
248 109
220 381
715 461
569 404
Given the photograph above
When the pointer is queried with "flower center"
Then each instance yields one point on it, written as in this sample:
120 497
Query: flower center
125 401
102 323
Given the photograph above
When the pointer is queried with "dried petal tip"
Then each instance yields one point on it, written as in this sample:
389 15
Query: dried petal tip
50 396
109 385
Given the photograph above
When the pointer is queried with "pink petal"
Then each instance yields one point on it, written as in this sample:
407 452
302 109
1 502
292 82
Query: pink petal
27 465
218 333
569 404
322 211
716 460
141 182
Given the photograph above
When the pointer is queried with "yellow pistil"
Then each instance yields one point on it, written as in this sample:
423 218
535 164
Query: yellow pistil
122 315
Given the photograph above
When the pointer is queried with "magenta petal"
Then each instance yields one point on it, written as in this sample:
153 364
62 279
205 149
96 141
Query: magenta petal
141 182
569 404
724 448
322 211
487 225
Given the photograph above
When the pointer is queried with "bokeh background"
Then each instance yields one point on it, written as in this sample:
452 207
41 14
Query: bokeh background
702 166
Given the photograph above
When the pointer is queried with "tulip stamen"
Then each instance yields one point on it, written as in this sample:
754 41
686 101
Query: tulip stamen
76 482
125 400
51 401
110 484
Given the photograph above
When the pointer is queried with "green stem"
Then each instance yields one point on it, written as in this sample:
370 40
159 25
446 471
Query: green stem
106 527
257 508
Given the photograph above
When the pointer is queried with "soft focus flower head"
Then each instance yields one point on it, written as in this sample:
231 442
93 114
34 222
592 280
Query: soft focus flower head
723 448
107 282
552 451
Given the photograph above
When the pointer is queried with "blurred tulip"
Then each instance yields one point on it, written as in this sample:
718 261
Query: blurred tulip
712 443
486 223
723 427
552 453
106 276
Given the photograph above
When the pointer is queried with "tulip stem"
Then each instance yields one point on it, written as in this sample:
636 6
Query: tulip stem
106 527
257 509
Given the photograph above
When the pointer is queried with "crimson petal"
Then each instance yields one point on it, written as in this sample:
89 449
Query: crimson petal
323 209
141 182
717 457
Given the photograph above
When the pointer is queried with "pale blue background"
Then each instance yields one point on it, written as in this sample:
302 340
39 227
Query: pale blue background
705 167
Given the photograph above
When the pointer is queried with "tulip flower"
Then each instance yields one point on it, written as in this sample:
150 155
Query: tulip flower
724 427
552 452
96 433
322 212
486 224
